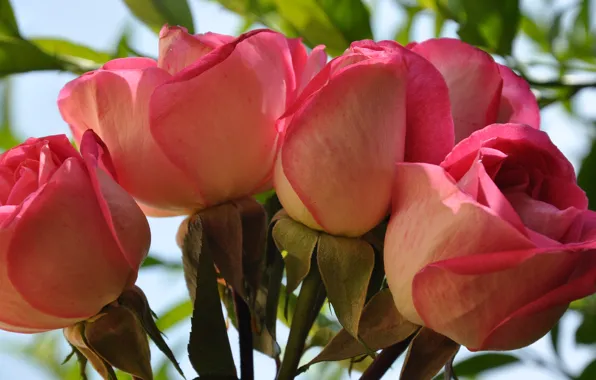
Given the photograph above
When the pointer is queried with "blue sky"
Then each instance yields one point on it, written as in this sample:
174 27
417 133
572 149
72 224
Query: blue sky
99 24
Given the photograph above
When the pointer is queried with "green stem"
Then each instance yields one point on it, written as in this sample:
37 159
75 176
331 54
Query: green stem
310 300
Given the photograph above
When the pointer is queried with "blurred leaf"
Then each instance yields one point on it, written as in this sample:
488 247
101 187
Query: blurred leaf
157 13
586 332
586 178
178 313
403 34
80 55
152 261
346 266
554 338
20 56
334 23
7 137
477 364
537 33
8 23
589 373
495 22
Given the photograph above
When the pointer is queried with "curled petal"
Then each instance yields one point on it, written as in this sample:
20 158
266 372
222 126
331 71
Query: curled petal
178 49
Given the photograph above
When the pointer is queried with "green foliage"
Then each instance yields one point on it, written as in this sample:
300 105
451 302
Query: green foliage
8 23
477 364
589 373
156 13
587 176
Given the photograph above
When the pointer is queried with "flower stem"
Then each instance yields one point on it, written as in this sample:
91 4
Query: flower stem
246 344
310 300
385 359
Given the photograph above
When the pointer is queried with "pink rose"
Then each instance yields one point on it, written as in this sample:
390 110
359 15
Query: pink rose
376 105
71 239
197 127
482 92
490 247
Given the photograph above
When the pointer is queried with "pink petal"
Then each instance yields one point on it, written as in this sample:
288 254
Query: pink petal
72 266
124 218
433 220
115 104
473 79
518 104
352 131
178 49
531 147
216 119
313 65
132 63
24 185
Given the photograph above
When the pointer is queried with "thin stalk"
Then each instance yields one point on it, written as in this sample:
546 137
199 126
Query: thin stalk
385 360
243 317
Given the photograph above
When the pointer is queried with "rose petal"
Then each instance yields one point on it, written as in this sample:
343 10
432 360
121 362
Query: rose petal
124 218
432 220
473 79
518 104
61 273
216 119
313 65
115 105
178 49
131 63
352 131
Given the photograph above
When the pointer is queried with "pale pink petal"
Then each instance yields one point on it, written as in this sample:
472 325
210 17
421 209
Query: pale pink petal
62 258
313 65
432 220
26 183
518 104
341 147
178 49
473 79
132 63
115 104
216 119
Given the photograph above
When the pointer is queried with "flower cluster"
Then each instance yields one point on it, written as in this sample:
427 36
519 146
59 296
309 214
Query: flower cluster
489 237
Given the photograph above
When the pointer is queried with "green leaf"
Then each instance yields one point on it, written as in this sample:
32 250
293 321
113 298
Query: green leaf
297 243
586 332
152 261
178 313
403 34
536 32
428 353
554 338
589 373
209 348
20 56
586 178
381 326
334 23
80 55
157 13
7 137
8 23
494 23
477 364
346 266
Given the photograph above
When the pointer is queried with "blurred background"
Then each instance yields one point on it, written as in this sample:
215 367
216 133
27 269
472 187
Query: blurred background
550 42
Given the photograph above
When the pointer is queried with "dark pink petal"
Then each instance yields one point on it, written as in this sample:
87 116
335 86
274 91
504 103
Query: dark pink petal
216 119
518 104
62 258
352 131
473 79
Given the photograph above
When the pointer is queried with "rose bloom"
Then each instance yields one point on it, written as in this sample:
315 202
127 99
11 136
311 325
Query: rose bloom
379 104
71 239
197 127
490 247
